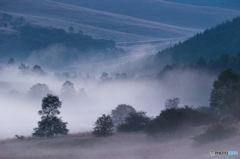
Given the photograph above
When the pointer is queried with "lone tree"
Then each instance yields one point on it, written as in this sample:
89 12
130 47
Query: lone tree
103 126
172 103
50 124
120 113
226 92
37 70
68 89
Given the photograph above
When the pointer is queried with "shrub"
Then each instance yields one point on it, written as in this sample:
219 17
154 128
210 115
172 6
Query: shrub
135 121
171 120
215 133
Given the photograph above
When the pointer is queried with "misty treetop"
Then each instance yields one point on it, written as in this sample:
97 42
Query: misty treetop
25 70
68 89
38 91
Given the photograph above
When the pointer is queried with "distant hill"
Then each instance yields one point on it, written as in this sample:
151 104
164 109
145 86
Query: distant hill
222 39
25 38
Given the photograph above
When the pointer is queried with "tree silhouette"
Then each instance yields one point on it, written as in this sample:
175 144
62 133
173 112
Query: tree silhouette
11 61
50 124
135 121
104 77
103 126
226 92
24 70
68 89
37 70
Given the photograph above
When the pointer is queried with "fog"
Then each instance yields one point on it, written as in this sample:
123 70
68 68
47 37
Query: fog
19 115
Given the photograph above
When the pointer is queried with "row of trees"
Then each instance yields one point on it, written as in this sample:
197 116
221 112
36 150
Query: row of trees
39 90
124 118
15 22
224 104
213 66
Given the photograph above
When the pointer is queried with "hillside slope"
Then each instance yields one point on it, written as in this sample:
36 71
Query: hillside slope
95 23
222 39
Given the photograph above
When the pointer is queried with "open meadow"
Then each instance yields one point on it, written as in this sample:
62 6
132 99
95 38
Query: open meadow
117 146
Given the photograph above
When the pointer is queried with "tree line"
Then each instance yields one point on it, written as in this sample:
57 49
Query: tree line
214 66
224 107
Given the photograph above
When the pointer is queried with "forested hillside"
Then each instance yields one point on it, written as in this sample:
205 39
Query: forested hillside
222 39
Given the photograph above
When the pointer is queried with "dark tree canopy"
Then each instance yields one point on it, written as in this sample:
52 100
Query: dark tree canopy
226 92
173 120
50 124
55 126
120 113
103 126
134 122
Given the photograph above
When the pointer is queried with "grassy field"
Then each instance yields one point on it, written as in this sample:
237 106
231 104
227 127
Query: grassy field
118 146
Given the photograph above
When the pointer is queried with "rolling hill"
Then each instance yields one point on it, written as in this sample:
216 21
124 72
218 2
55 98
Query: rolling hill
177 14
